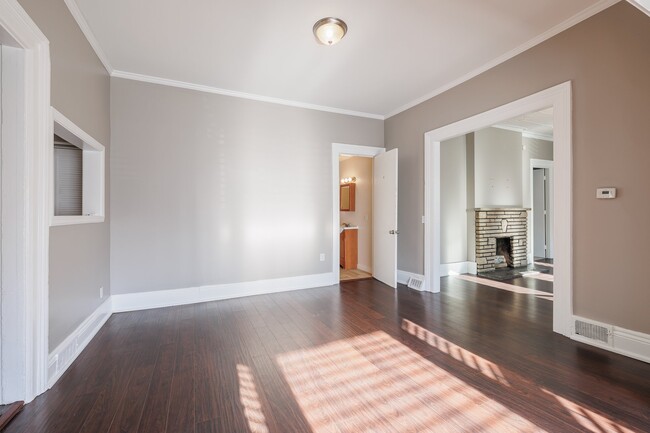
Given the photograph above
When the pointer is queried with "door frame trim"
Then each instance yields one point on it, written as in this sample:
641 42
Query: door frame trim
558 97
339 149
33 247
541 163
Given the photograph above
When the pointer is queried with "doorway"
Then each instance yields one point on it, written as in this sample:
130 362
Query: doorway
541 183
384 210
559 99
355 206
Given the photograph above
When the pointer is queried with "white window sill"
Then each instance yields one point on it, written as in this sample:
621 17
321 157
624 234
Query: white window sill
75 219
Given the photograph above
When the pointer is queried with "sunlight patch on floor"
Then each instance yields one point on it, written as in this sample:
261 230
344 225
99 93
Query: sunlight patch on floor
589 419
540 276
374 383
468 358
250 400
505 286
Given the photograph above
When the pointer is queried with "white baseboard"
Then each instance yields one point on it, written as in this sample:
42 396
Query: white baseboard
403 277
193 295
622 341
457 268
65 353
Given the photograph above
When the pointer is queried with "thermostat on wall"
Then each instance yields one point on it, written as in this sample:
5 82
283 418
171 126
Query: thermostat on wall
606 193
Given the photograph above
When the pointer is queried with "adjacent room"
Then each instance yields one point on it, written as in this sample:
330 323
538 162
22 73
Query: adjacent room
279 217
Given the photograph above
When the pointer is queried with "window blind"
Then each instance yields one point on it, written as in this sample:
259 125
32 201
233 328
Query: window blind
68 175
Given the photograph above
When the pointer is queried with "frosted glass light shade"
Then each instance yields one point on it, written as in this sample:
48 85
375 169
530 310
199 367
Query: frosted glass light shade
329 31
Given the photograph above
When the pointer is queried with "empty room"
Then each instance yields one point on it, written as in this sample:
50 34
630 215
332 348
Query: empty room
288 216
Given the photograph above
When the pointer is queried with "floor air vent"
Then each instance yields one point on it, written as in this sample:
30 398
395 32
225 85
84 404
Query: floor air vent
414 283
592 331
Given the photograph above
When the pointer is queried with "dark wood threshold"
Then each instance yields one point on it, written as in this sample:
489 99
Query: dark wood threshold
9 412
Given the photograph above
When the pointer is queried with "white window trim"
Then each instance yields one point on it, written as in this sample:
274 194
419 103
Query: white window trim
89 144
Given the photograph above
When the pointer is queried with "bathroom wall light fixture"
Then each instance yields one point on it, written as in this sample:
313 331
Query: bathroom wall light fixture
348 180
329 31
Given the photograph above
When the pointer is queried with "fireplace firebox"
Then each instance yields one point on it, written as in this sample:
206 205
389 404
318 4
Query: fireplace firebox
501 238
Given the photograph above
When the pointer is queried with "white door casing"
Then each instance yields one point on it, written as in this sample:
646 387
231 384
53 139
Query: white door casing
339 149
539 212
558 97
549 170
25 298
384 214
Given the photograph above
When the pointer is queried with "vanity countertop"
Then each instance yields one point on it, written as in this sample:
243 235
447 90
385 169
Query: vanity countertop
348 228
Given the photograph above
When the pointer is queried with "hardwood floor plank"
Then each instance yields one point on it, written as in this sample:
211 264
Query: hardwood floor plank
356 356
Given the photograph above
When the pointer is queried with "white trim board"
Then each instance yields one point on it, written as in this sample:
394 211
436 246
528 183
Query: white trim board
642 5
403 278
65 353
30 346
339 149
457 268
558 97
236 94
622 341
217 292
88 33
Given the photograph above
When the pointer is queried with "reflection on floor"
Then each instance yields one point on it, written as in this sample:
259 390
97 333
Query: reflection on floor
541 261
354 274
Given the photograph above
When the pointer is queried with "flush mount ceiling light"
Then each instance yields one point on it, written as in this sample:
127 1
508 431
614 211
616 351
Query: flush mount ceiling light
329 31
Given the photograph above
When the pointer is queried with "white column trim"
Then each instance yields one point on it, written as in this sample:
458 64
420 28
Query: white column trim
35 243
558 97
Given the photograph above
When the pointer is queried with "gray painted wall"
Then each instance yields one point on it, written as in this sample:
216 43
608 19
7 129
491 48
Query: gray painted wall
453 200
606 59
209 189
497 168
79 254
533 148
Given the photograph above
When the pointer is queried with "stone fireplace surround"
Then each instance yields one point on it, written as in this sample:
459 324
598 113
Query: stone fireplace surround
493 223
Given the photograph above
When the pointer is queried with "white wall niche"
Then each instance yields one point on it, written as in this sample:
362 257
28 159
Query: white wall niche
93 177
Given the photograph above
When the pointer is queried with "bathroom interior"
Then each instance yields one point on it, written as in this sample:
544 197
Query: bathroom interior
355 217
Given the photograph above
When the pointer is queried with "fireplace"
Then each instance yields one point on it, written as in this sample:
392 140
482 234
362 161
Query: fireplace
501 238
503 253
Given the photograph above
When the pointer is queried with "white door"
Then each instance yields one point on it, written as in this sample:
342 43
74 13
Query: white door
539 212
384 216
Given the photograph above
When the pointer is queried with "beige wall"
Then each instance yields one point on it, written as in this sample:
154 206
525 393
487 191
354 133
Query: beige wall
497 168
606 58
361 168
209 189
79 254
453 200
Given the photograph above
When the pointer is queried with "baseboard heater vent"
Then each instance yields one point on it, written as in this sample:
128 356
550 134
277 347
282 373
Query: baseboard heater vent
593 331
414 283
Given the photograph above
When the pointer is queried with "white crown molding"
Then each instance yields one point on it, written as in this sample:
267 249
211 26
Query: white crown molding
525 133
236 94
583 15
90 36
642 5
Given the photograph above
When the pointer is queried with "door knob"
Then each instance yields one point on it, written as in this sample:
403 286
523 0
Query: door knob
394 232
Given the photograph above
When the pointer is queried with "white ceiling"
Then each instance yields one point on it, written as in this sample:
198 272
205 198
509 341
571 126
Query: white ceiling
395 52
538 124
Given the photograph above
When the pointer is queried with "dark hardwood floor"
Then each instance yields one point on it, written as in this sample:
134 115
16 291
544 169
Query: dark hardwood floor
349 358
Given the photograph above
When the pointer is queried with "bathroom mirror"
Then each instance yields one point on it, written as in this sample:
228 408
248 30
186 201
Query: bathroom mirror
347 197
